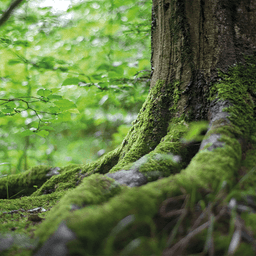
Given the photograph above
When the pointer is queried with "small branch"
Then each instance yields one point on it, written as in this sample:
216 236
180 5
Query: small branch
28 107
8 12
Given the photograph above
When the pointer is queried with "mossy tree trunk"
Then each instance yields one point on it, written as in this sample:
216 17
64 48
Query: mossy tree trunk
200 71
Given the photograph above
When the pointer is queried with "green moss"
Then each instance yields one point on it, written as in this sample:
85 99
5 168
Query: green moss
65 180
160 162
176 95
70 176
15 220
149 127
208 168
250 221
104 164
246 179
245 249
236 87
16 185
221 127
141 202
93 190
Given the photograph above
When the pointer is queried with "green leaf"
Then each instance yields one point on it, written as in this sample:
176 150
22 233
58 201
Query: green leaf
112 74
55 90
49 128
44 92
63 69
61 61
47 62
119 70
26 133
22 42
13 62
43 133
71 81
75 111
54 96
97 76
105 66
195 131
54 110
64 117
10 104
64 104
7 110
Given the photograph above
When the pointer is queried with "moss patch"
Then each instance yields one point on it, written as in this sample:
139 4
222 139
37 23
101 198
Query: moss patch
23 183
239 87
93 190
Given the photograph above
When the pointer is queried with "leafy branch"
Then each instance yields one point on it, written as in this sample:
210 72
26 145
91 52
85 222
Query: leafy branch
10 107
6 15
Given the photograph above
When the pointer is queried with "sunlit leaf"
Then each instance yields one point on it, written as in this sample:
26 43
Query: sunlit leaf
71 81
119 70
54 96
63 69
7 110
44 92
105 66
43 133
13 62
26 133
55 90
10 104
64 104
46 62
54 110
196 131
97 76
49 128
63 117
74 111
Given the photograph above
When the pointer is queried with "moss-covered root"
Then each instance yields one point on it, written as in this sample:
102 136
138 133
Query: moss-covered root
169 157
102 229
150 126
93 190
24 183
72 175
105 163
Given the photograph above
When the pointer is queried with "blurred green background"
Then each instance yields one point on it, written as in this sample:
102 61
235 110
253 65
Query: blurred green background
71 81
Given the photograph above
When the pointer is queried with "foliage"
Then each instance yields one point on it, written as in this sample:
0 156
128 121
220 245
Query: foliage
69 80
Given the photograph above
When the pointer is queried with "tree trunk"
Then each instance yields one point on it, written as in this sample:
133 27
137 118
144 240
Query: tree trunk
200 72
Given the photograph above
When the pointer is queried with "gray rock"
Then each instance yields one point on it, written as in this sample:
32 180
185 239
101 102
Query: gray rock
56 244
216 113
6 242
131 178
21 240
53 171
213 139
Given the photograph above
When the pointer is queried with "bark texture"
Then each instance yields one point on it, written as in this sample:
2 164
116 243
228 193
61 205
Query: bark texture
191 40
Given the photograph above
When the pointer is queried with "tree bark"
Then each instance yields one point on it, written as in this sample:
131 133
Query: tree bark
199 73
